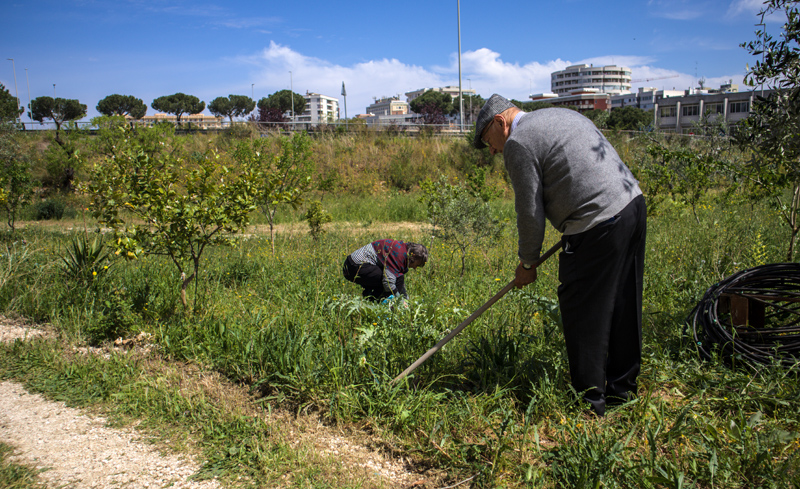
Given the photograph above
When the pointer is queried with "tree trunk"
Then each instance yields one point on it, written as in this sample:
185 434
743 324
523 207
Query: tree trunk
793 208
185 281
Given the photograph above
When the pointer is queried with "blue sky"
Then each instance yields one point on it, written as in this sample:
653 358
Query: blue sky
209 48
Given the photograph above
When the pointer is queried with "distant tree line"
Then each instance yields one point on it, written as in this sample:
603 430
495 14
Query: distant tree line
59 110
433 106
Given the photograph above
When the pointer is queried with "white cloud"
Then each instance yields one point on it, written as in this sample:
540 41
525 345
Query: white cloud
364 81
489 74
680 14
744 7
483 69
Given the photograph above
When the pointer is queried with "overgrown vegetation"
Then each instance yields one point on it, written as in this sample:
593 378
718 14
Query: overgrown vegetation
273 314
494 404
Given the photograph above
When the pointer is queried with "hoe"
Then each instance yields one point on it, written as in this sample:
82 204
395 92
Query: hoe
474 315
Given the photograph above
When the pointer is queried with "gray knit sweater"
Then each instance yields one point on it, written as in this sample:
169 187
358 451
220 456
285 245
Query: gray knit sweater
562 168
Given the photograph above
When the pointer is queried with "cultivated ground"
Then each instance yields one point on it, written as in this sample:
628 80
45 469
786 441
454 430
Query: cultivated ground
76 449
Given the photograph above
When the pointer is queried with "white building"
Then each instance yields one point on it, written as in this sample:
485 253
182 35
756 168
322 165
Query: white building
609 79
202 121
450 90
319 109
646 98
385 106
680 114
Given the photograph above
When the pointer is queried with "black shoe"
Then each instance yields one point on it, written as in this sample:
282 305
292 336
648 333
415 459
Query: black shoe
619 399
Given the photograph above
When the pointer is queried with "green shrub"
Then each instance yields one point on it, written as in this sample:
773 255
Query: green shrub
49 209
109 319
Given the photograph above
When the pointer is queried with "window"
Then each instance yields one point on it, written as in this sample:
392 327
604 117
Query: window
668 112
690 110
715 108
740 107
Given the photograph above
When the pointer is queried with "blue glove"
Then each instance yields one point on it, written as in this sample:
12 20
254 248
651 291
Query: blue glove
388 299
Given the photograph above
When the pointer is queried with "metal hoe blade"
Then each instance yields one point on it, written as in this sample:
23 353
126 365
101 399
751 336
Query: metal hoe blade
472 317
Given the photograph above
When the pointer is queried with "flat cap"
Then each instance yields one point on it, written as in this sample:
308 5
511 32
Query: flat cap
495 105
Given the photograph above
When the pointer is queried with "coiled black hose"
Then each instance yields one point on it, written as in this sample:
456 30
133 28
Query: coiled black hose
754 315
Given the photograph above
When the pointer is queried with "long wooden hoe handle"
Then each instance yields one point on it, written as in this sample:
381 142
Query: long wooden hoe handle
472 317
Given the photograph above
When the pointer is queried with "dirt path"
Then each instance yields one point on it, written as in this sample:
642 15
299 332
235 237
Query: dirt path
288 229
78 451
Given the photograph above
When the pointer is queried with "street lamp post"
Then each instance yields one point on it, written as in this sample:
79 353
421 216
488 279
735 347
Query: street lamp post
54 91
14 67
291 94
252 91
460 94
344 94
763 33
29 94
470 100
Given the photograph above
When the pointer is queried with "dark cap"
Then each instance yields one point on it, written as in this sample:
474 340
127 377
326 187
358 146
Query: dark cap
495 105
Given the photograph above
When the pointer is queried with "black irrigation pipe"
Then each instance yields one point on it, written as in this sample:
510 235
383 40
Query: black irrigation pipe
770 334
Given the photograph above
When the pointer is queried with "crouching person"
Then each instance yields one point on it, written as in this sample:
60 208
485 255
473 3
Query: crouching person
381 266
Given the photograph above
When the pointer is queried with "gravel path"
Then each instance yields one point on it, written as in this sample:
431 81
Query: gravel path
77 451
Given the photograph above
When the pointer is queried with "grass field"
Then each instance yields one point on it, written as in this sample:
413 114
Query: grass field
494 406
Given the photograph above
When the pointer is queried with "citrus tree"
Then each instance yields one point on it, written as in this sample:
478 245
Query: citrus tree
170 203
280 179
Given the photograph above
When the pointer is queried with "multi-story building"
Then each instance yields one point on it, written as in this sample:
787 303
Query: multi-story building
386 106
645 98
202 121
581 99
319 109
681 114
450 90
610 79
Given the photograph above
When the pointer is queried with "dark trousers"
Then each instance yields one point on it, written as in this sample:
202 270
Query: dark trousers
600 296
370 278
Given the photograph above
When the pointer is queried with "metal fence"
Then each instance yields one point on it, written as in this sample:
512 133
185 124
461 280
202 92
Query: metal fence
320 128
411 129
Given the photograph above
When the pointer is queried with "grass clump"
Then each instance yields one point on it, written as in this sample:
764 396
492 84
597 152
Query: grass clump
14 475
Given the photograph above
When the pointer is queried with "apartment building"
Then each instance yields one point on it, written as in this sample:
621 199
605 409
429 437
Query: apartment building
202 121
581 99
644 98
386 106
450 90
319 109
609 79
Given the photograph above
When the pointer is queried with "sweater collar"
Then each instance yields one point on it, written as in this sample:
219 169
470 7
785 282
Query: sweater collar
516 121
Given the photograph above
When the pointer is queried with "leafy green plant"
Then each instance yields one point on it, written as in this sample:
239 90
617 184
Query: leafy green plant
86 262
64 161
49 209
459 218
316 217
280 179
770 129
184 202
110 317
16 182
682 173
